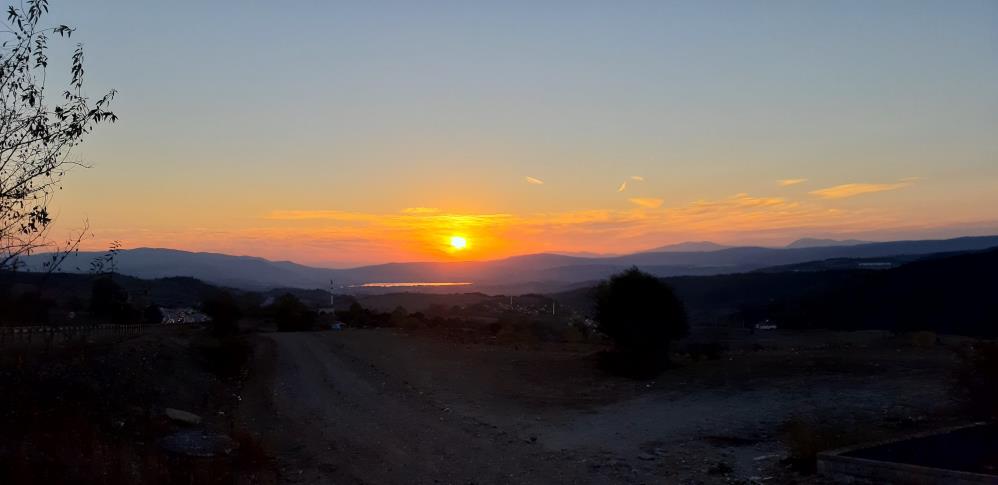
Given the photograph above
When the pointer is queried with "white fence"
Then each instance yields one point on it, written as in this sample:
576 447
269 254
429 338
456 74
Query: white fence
45 334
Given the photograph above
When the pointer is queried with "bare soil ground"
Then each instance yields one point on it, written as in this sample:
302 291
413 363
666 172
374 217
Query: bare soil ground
381 406
93 411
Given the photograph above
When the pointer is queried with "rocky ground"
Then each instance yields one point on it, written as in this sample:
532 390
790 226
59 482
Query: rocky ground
381 406
151 407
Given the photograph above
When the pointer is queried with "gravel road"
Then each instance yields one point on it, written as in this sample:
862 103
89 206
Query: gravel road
337 419
383 407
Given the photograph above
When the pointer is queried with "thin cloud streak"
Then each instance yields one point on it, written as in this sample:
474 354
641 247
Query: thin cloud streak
649 202
789 182
420 210
852 190
334 235
534 181
622 187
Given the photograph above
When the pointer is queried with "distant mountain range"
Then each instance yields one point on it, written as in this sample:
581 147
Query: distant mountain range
810 242
690 246
519 274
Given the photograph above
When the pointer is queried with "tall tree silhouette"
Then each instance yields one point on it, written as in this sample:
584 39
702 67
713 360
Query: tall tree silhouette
37 131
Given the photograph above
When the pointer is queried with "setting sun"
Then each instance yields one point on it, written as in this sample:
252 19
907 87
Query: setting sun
458 242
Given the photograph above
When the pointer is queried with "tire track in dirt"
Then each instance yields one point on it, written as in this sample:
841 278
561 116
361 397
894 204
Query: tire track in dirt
331 417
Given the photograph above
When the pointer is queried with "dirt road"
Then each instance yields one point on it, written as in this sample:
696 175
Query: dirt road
372 406
338 419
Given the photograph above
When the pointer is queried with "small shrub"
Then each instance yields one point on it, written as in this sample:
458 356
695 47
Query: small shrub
109 300
924 339
153 314
976 379
292 315
225 357
224 313
706 350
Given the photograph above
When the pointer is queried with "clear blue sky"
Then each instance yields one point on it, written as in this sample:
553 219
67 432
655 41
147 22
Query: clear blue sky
235 113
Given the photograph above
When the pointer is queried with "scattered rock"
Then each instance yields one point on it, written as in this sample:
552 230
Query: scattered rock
183 416
766 457
198 443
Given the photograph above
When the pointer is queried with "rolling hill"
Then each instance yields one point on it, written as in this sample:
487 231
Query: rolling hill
949 293
519 274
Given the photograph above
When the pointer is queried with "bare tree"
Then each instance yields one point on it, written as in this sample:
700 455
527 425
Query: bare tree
37 133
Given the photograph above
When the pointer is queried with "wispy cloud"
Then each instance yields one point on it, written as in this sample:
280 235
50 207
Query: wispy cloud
852 190
622 187
420 210
305 215
649 202
789 182
637 178
315 235
534 181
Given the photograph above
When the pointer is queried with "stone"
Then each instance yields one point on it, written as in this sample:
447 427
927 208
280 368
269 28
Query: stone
183 416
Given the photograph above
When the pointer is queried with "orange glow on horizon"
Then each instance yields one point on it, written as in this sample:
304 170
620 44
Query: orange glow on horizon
348 238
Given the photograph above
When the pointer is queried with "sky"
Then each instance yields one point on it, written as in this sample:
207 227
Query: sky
348 133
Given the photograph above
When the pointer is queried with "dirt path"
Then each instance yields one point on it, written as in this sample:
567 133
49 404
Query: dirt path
371 406
338 419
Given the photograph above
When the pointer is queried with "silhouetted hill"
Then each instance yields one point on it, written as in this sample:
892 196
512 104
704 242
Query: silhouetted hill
954 294
810 242
520 274
689 246
222 269
66 287
947 293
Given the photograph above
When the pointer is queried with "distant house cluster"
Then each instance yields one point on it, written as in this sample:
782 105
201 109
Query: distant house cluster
183 315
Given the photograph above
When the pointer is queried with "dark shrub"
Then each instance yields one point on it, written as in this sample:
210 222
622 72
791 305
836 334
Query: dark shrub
225 356
223 310
977 377
641 315
110 300
292 315
153 314
706 350
358 316
29 307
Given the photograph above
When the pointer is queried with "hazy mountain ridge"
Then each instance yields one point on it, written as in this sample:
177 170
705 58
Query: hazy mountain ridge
534 271
688 247
811 242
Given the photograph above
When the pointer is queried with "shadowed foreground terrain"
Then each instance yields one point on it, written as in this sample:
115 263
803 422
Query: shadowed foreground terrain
380 406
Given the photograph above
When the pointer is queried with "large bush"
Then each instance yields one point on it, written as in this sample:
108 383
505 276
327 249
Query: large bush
224 312
291 314
108 300
642 315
